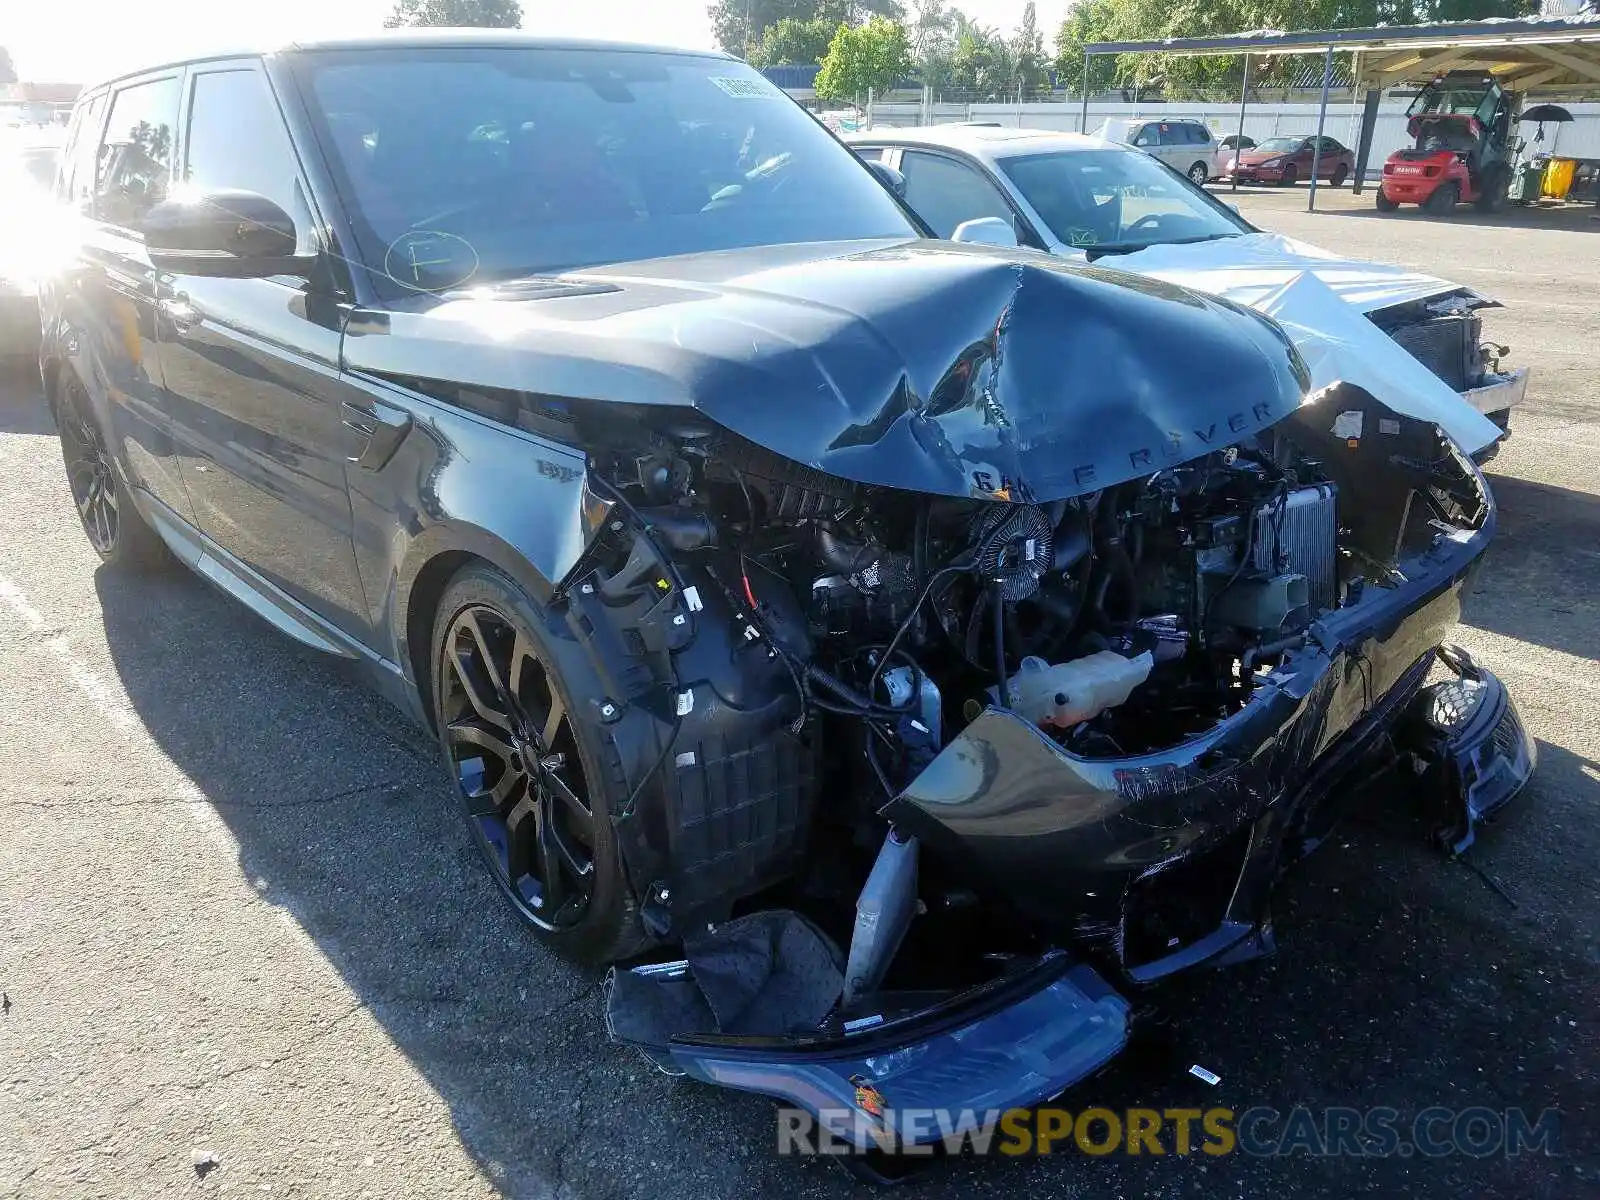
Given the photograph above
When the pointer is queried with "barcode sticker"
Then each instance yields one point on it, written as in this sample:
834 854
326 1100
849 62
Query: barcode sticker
745 89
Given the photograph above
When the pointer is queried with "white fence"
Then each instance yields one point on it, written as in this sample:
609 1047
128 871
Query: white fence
1580 139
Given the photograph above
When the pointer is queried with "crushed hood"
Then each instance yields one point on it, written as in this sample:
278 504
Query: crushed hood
1323 302
946 369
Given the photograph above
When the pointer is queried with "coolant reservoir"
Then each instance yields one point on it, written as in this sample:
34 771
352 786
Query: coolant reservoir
1065 693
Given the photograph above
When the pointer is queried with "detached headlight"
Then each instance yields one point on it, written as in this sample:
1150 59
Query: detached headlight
1455 703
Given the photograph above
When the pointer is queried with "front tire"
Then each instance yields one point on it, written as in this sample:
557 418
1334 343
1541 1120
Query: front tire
114 526
1289 178
1198 174
516 704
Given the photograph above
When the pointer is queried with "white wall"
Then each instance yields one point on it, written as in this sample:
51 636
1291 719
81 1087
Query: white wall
1581 139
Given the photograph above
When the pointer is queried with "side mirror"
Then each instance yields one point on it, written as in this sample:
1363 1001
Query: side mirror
986 231
891 178
225 234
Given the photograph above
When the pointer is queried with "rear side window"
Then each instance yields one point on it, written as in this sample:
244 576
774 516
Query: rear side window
135 160
237 141
76 181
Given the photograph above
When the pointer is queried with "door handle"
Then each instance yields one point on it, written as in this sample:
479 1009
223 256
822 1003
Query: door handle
179 313
384 426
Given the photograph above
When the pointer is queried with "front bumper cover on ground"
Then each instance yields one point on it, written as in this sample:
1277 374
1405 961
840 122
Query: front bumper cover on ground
1021 1040
1012 1043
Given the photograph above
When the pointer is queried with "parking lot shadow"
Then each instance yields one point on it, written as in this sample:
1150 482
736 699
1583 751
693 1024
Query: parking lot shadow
22 407
1540 581
342 820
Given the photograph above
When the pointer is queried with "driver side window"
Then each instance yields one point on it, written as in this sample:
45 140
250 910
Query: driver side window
236 140
1149 135
946 192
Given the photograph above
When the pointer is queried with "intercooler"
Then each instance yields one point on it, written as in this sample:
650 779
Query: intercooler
1299 535
1448 346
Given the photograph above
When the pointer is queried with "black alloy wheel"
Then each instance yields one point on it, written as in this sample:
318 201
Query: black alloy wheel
94 487
115 528
536 783
517 767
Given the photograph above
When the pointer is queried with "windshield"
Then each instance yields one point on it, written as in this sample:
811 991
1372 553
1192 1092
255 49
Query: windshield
1114 200
466 165
1280 145
1475 98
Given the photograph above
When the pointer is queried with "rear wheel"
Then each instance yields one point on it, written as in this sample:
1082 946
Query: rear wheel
1198 174
1340 174
1493 198
1289 177
112 524
1444 199
1384 203
516 703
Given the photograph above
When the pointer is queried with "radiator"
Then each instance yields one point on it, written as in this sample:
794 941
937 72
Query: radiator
1300 536
1447 346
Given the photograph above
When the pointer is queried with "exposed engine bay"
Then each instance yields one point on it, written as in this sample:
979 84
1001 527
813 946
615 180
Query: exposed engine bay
1120 622
868 626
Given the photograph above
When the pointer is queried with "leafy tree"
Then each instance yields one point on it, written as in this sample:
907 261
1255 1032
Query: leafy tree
488 14
1088 21
8 72
863 59
792 41
1028 56
1149 20
932 26
982 65
741 25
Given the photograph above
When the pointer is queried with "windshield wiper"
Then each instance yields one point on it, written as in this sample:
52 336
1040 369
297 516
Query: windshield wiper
1097 250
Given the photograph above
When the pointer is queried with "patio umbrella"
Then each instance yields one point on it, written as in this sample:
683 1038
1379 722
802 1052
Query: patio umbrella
1546 112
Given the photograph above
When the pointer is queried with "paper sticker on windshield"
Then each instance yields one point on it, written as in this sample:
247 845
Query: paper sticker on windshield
741 88
1083 237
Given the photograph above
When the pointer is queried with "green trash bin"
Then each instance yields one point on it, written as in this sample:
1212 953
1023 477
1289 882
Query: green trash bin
1527 180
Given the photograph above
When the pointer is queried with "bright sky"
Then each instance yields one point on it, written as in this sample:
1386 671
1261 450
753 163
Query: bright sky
81 41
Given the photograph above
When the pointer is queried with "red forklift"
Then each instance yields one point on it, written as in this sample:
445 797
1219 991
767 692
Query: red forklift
1462 124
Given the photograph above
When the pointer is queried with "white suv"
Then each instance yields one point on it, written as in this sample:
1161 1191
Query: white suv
1185 146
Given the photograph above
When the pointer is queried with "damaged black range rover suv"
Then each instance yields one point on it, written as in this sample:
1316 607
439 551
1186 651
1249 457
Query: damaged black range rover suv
904 650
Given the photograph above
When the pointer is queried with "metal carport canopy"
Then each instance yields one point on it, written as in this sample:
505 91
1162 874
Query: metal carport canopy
1549 56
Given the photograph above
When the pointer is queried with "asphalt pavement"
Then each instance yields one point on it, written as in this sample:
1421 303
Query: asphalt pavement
245 947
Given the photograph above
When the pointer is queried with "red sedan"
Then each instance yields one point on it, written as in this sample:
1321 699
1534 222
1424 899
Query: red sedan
1287 160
